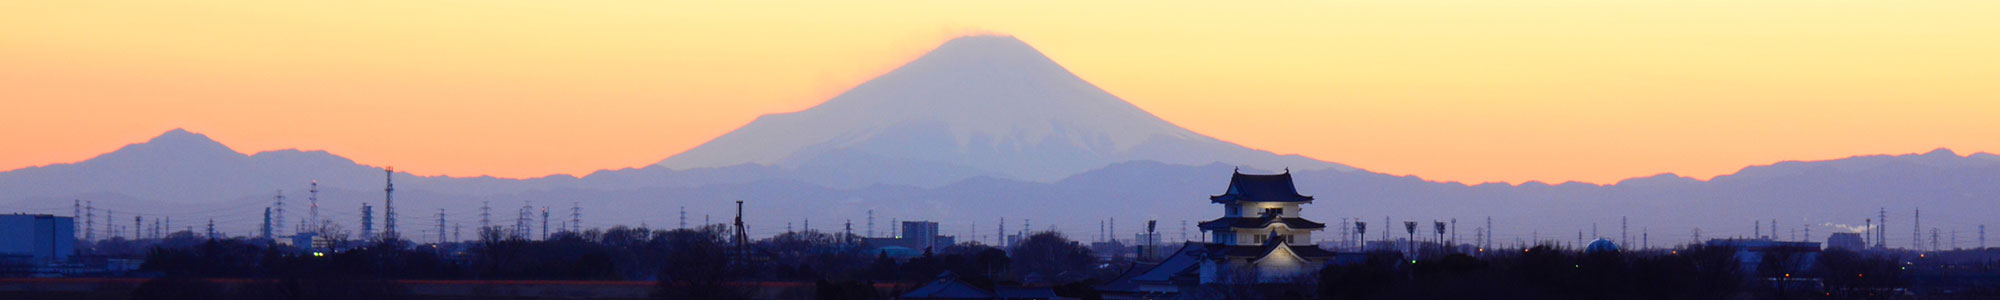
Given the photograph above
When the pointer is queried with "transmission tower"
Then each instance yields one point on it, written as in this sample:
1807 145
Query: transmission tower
77 216
312 212
441 236
89 221
1882 232
278 205
1489 233
1934 239
871 223
485 215
545 223
1917 224
684 217
576 217
211 228
527 214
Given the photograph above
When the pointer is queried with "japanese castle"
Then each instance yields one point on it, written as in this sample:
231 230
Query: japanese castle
1260 238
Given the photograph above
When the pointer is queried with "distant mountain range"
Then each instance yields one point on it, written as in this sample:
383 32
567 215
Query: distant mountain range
985 128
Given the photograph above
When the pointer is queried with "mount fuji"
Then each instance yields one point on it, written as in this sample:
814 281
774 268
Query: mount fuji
976 105
985 128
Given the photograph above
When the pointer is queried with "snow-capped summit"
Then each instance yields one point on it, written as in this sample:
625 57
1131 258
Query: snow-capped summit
990 103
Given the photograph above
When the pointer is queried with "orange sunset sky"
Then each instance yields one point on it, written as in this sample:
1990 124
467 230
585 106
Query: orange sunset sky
1462 90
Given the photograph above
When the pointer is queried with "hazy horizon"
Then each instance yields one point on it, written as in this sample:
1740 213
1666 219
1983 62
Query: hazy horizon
1468 92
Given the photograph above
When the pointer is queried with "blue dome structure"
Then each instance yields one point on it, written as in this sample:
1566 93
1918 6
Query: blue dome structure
1600 246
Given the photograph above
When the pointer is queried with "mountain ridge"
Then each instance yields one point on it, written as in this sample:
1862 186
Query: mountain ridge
991 103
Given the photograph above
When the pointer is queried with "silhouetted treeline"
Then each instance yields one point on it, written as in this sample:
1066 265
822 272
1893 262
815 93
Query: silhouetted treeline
694 263
703 263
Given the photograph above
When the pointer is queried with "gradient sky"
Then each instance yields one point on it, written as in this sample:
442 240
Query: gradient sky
1460 90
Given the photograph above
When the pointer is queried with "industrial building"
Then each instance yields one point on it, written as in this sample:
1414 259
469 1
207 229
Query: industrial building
917 236
36 239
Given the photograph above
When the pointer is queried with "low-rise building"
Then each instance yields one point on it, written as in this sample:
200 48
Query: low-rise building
37 239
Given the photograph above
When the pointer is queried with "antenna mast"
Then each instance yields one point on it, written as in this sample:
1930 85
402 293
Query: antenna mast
389 203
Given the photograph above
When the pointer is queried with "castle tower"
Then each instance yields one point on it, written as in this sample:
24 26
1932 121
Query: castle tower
1260 231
